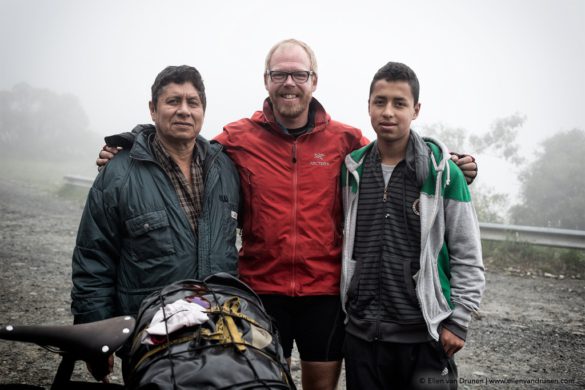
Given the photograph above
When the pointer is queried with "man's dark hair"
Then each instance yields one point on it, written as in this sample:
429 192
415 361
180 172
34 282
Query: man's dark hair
396 71
179 75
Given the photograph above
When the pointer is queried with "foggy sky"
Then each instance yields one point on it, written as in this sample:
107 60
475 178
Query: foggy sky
476 60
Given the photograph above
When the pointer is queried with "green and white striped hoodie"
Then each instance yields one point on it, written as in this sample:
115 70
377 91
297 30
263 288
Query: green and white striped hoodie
451 280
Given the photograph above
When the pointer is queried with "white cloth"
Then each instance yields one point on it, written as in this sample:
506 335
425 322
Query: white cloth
179 314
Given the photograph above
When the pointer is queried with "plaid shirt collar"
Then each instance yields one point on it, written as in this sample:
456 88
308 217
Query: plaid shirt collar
190 194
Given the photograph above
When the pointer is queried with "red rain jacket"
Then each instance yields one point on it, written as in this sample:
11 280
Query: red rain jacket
292 212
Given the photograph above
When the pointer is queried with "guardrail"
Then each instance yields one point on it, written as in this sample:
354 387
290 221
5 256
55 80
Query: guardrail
79 181
561 238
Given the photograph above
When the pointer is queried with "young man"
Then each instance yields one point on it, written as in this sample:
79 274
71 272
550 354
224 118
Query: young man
412 270
289 157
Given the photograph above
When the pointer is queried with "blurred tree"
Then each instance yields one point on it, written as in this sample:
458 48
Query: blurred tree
501 139
37 123
490 206
553 186
455 138
500 142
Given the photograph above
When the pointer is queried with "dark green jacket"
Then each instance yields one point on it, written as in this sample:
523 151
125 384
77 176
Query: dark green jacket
135 238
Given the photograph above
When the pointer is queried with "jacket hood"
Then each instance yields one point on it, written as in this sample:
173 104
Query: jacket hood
440 159
416 159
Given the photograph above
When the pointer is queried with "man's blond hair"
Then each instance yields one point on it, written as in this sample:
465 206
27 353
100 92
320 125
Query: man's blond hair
291 42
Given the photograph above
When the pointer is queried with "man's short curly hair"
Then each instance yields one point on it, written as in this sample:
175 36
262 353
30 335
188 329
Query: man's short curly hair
396 71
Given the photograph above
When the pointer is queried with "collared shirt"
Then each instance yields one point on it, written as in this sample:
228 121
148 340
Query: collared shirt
189 194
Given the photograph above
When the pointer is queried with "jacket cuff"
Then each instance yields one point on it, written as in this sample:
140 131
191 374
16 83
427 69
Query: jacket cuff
455 328
125 140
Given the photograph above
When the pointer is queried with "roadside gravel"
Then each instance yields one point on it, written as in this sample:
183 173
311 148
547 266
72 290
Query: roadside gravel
530 333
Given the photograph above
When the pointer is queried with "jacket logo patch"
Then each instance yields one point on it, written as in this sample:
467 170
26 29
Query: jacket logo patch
416 207
319 160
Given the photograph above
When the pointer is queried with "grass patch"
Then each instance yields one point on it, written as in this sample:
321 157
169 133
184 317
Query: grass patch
47 176
528 259
73 193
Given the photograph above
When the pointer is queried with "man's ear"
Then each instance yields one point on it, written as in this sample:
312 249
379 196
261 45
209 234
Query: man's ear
314 81
416 110
152 109
266 81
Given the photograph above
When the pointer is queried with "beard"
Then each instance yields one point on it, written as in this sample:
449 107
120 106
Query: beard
288 109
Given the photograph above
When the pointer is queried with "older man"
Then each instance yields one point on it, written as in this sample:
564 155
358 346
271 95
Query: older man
164 210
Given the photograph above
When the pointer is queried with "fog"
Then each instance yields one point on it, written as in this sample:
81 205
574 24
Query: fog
477 61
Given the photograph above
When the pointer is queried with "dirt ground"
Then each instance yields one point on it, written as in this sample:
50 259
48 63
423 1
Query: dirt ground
530 333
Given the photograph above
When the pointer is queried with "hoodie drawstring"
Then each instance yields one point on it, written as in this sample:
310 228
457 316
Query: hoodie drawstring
444 165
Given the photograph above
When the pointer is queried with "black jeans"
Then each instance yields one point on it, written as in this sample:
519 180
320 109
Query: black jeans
383 365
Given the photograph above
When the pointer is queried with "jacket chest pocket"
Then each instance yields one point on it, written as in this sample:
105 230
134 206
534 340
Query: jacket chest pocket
150 236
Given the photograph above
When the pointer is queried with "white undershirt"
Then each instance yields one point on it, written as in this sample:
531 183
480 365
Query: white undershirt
387 172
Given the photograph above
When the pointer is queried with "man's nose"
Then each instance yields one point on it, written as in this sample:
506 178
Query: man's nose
388 111
183 108
289 80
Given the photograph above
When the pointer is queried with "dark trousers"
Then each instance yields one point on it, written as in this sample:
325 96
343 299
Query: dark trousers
382 365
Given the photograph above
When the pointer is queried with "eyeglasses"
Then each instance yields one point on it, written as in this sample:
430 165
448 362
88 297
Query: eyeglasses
298 76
